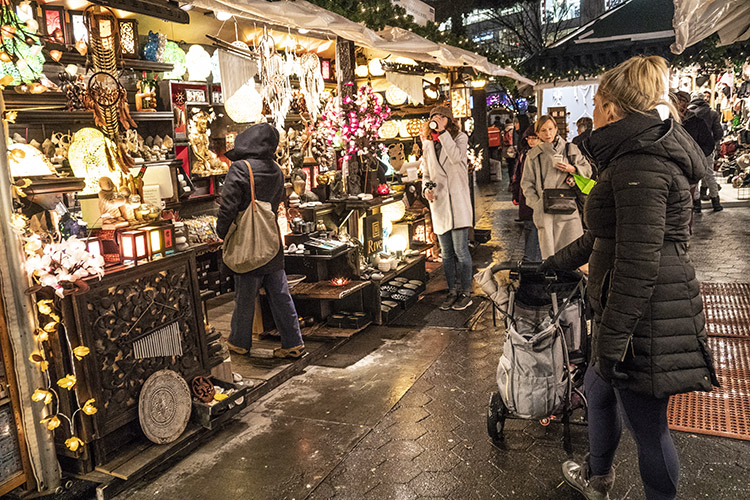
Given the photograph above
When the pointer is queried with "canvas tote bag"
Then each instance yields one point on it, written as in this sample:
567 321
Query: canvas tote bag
253 238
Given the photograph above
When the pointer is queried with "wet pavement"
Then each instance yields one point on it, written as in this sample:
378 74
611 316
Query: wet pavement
400 413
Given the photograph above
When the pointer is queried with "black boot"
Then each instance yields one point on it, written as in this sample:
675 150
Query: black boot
704 194
697 206
717 206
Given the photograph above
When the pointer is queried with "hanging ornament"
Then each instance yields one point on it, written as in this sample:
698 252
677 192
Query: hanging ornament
276 89
312 84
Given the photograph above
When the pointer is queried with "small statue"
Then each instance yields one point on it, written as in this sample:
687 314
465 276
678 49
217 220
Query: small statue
299 181
337 186
111 204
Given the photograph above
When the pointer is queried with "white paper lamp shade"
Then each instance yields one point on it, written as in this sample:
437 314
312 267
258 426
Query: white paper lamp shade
388 130
245 105
395 96
376 69
88 158
28 161
198 63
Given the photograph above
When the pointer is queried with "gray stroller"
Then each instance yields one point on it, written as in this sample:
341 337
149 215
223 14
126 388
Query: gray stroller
545 354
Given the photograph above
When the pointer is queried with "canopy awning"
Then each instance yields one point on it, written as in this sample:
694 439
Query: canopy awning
695 20
397 41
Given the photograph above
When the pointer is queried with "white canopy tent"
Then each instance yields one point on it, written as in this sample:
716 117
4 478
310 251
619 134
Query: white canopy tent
397 41
695 20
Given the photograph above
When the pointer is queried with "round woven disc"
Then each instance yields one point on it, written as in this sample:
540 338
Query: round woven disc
164 406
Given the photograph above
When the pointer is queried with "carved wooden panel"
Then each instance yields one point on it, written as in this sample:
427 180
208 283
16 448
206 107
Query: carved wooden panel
123 308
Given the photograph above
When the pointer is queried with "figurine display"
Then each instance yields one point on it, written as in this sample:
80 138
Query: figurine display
299 183
206 162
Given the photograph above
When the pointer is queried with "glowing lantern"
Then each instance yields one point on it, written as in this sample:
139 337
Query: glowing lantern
395 96
94 246
461 101
198 63
375 68
155 246
133 245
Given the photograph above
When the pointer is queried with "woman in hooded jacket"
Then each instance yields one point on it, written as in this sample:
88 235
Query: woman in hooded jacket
549 165
649 337
255 148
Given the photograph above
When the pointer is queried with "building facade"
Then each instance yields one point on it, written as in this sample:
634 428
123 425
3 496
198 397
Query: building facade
420 11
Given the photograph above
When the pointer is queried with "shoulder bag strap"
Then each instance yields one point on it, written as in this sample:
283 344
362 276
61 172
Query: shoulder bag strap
252 185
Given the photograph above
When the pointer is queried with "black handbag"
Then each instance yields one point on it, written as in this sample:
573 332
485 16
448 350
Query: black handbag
559 201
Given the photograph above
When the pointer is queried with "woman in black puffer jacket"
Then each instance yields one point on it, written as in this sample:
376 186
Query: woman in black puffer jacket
649 338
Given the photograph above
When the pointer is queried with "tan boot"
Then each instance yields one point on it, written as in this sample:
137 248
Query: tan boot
291 352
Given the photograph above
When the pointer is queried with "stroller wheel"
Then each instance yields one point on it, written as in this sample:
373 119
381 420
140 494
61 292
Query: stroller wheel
496 413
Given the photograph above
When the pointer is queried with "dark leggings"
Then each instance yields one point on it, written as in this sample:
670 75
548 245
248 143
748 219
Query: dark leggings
646 417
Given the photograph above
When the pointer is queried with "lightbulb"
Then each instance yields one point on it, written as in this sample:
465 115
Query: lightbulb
223 16
303 31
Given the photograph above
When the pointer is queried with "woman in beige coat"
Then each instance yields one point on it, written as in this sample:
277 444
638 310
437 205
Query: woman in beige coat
548 165
446 186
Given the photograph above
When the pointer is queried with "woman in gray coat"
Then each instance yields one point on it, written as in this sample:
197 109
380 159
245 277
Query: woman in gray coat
548 165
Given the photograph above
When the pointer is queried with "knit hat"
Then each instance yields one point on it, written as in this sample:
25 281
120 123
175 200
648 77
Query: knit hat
442 111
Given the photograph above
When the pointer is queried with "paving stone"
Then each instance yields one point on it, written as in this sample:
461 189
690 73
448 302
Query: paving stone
388 491
398 471
433 484
401 449
437 461
406 430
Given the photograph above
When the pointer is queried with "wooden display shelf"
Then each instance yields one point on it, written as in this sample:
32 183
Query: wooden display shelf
150 116
323 290
321 331
352 204
58 114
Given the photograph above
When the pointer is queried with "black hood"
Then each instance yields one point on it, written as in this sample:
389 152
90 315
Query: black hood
257 142
646 134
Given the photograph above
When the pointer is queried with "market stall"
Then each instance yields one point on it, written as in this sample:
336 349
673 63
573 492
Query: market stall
116 134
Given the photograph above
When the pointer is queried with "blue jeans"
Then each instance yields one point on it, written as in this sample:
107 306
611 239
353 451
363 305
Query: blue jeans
647 419
246 288
454 246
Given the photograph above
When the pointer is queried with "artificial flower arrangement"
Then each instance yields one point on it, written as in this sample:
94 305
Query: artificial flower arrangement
355 122
60 266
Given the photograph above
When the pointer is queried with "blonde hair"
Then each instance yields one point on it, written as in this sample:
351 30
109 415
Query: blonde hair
542 121
637 85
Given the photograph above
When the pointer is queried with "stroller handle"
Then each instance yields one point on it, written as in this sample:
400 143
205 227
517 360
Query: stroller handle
522 266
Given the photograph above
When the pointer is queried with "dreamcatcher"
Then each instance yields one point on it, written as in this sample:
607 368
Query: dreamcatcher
311 83
106 96
275 84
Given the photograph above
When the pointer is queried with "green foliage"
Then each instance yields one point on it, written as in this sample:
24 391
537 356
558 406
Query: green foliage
377 14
